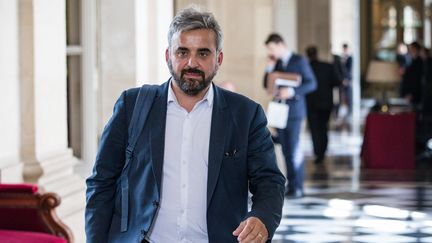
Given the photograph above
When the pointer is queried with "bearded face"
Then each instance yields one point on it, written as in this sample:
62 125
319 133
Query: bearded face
191 80
193 60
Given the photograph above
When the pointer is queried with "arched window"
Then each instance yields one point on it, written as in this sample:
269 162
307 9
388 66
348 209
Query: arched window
394 22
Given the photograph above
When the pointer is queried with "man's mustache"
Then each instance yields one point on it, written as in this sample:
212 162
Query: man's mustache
192 70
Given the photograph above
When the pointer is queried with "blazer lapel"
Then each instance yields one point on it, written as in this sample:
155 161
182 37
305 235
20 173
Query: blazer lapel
217 141
157 132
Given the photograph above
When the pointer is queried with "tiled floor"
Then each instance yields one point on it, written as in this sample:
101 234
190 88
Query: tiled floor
344 203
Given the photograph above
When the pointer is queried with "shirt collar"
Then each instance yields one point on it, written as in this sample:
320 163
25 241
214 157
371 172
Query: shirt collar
209 96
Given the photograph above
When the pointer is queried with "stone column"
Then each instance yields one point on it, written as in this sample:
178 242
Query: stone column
313 26
44 150
132 47
285 21
152 17
89 86
10 166
356 119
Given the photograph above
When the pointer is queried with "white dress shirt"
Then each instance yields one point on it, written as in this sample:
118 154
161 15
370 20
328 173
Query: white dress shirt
183 205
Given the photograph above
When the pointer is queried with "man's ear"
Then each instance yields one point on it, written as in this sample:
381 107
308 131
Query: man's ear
167 55
220 58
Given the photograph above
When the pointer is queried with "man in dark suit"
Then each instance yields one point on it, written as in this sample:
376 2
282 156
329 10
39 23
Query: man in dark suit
281 59
320 102
201 151
347 82
411 85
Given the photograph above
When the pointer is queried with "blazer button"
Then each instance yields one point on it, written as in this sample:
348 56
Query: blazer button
155 204
143 232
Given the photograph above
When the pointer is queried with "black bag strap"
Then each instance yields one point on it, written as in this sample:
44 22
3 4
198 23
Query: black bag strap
140 113
143 104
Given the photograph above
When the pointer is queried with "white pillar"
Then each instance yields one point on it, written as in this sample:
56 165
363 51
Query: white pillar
313 26
356 70
132 47
89 82
342 22
43 90
44 149
152 17
285 21
117 52
10 166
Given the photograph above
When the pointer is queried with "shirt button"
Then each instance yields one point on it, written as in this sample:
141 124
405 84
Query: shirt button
184 186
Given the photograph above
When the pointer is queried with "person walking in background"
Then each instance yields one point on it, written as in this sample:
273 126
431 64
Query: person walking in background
338 66
320 102
411 85
426 101
402 57
282 60
187 176
345 106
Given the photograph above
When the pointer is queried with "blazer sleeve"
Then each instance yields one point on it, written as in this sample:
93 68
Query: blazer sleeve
309 82
266 182
101 185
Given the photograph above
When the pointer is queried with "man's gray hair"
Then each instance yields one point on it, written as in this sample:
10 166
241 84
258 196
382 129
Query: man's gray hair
192 18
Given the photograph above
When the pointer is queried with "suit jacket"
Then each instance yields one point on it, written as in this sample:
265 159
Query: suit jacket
297 64
348 68
327 79
339 67
412 81
427 90
237 124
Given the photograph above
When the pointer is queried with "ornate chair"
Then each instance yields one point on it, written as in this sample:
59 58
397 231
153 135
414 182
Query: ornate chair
27 215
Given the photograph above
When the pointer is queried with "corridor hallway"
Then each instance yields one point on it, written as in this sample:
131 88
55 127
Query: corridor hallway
344 203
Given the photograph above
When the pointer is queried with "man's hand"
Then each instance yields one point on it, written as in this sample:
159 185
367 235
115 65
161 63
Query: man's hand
251 230
271 63
286 93
271 60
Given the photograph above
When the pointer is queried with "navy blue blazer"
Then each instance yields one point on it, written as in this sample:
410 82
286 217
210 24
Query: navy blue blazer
297 64
237 124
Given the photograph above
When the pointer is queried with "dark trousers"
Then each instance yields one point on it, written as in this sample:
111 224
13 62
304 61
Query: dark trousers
289 139
346 96
318 125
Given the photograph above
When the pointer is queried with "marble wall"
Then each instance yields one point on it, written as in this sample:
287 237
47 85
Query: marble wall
10 169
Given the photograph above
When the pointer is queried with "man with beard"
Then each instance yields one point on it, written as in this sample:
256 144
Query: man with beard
202 149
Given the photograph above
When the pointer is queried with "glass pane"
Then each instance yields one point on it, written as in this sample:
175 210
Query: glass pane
388 38
393 22
411 13
410 35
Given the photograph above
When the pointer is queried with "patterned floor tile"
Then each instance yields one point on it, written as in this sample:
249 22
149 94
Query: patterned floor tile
345 206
